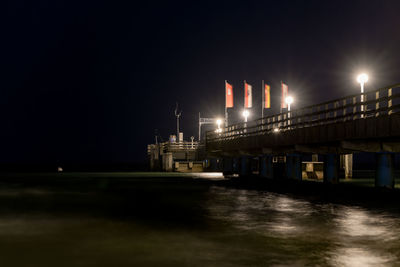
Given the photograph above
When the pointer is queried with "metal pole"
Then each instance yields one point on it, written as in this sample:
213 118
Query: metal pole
199 128
177 126
263 99
244 100
262 104
281 96
226 117
226 109
177 114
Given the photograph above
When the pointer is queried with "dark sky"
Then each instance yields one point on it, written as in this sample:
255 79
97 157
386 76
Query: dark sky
91 81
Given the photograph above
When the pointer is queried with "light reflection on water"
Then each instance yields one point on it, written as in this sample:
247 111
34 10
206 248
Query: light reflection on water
167 222
337 235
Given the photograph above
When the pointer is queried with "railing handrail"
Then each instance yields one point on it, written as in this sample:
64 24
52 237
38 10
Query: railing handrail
185 145
304 117
332 101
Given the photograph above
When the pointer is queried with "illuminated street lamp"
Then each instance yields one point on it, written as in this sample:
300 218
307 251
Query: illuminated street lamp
289 100
219 122
246 114
362 79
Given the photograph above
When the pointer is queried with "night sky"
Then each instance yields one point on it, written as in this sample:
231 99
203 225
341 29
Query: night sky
91 81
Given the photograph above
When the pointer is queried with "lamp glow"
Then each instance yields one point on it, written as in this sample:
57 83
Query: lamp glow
245 114
362 78
219 121
289 100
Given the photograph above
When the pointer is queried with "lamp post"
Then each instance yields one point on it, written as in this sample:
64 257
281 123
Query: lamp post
289 100
246 114
362 79
219 122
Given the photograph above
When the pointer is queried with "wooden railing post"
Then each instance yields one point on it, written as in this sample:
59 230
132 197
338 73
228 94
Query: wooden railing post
365 106
327 113
377 104
319 114
390 101
335 106
344 110
354 107
278 118
298 118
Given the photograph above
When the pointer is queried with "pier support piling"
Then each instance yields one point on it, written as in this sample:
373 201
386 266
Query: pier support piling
266 167
331 168
214 164
235 165
347 161
245 169
293 166
167 161
227 166
384 170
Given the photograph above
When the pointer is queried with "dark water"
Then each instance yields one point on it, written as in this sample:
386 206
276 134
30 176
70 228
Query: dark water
158 220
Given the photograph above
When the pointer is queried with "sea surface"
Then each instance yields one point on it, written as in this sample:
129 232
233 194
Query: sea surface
155 219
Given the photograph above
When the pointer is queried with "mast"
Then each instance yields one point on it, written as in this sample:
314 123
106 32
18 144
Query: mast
226 109
177 114
262 104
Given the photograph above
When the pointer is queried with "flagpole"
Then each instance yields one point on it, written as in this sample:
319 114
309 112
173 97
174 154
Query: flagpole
262 104
244 99
281 95
226 109
263 99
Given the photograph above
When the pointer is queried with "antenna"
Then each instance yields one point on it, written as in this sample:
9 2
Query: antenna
156 135
177 114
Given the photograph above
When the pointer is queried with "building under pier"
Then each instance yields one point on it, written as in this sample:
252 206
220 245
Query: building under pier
177 155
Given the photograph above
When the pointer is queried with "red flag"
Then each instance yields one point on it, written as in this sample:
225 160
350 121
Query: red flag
285 91
228 95
267 96
247 95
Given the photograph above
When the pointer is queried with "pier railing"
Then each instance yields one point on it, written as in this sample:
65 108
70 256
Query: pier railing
179 146
174 147
384 101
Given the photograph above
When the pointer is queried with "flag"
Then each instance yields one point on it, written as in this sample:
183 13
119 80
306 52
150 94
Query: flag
267 96
285 91
247 95
228 95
